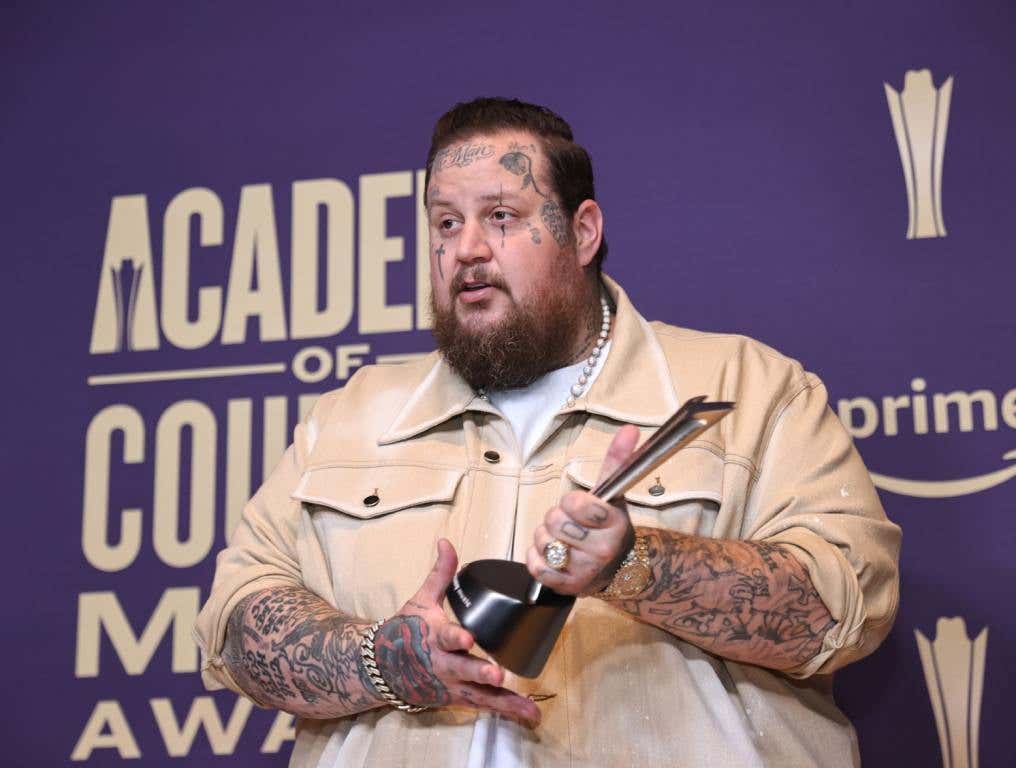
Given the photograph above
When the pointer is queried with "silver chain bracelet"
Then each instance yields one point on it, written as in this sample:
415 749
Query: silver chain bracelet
369 663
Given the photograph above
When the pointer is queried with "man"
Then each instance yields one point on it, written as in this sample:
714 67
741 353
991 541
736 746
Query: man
716 600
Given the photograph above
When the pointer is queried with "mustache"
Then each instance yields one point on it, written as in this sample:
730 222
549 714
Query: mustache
478 274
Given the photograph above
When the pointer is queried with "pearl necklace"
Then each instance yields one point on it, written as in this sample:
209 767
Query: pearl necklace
579 387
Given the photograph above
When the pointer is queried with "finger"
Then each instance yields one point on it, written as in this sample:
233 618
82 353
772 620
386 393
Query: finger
468 668
499 700
565 526
587 556
585 511
621 447
543 573
440 576
452 637
541 538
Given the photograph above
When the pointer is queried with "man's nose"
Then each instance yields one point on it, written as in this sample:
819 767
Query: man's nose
473 244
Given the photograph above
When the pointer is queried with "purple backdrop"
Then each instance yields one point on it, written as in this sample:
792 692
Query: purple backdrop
743 151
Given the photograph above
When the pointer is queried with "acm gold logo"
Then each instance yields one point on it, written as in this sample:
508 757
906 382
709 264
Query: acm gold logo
920 115
954 672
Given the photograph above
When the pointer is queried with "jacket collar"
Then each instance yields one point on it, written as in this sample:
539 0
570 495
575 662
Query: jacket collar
634 387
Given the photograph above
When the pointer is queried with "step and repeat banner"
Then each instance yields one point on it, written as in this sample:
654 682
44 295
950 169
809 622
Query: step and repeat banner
212 214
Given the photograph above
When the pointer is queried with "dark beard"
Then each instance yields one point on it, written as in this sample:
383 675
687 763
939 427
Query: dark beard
531 340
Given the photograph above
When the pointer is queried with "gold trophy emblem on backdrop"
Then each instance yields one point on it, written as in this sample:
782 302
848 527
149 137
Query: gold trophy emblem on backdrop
920 115
954 672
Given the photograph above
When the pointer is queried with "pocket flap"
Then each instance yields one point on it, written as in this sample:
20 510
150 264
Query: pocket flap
690 474
372 491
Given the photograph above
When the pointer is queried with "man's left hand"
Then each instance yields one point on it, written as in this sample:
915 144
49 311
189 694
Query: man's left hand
598 535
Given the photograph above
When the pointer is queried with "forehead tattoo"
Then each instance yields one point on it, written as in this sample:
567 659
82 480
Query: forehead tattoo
521 164
461 155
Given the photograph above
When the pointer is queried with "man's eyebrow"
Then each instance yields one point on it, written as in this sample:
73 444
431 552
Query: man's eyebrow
496 196
492 197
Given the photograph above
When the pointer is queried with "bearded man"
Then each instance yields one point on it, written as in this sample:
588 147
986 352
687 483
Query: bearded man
762 556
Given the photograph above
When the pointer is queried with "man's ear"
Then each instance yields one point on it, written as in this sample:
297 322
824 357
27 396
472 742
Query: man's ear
587 229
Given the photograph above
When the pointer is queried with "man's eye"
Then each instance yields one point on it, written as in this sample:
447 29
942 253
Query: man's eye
501 216
447 223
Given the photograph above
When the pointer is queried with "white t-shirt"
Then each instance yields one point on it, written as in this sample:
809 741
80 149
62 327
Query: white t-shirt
531 409
496 741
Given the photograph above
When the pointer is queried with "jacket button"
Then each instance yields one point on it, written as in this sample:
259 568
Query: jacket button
372 500
491 457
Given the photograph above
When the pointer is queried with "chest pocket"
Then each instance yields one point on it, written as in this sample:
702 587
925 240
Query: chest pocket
683 494
377 527
367 492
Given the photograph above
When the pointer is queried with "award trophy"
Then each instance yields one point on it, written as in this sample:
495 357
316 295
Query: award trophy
516 619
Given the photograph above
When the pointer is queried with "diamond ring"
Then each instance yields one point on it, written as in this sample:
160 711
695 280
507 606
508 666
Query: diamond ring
556 554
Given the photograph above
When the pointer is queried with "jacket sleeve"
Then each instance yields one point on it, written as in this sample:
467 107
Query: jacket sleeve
261 552
814 497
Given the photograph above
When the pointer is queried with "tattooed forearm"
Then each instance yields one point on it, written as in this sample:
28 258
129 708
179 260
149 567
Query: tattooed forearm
402 649
289 649
461 156
747 601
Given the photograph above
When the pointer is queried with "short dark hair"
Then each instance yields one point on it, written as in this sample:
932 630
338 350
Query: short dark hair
571 169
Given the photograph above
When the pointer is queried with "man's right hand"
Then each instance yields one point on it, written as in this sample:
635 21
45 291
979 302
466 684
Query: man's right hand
424 657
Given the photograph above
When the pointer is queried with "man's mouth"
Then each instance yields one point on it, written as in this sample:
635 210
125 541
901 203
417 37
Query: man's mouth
475 292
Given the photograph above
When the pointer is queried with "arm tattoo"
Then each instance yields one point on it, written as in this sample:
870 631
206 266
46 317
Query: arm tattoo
403 656
289 649
747 601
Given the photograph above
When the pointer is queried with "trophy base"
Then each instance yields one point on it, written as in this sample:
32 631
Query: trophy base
489 598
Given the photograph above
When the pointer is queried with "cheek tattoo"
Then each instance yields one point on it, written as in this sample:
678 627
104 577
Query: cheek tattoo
534 233
553 219
440 265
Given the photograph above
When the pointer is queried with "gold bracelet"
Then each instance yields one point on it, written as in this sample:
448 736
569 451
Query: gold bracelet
369 663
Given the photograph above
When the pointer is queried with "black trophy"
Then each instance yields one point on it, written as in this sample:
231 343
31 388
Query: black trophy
513 617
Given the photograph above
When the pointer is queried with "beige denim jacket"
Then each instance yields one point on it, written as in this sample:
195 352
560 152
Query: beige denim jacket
780 468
